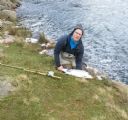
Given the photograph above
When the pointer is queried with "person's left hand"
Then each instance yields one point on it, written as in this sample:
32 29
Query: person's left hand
60 68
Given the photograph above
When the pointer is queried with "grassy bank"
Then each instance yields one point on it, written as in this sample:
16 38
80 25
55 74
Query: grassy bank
38 97
43 98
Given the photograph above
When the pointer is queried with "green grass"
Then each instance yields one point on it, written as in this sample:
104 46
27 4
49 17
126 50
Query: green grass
44 98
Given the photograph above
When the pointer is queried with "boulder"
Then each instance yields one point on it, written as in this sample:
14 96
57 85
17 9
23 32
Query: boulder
2 7
7 3
7 39
7 23
8 15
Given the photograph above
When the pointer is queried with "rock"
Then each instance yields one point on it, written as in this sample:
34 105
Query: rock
7 3
43 46
31 40
7 23
2 7
8 15
49 45
7 39
5 86
1 40
43 52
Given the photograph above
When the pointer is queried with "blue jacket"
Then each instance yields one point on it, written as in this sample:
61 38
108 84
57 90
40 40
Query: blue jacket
63 44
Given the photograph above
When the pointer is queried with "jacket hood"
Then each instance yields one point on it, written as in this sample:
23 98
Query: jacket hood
78 26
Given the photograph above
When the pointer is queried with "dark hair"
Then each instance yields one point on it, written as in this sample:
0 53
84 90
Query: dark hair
78 26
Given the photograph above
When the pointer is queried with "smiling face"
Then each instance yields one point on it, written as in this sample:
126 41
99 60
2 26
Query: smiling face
77 34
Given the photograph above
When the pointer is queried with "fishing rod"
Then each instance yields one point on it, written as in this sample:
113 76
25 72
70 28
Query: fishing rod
50 73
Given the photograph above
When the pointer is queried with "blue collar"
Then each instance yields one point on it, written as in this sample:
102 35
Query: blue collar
73 43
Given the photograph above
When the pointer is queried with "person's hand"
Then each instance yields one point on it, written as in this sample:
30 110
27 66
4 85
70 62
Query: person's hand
60 68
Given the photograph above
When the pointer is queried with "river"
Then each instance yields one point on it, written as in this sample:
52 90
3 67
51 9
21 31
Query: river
105 23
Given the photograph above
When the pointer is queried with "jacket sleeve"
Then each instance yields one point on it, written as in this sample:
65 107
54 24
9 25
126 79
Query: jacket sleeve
79 57
58 48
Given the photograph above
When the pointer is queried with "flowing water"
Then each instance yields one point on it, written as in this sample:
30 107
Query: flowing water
105 23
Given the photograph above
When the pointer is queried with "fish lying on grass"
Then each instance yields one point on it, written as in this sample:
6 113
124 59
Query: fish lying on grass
77 73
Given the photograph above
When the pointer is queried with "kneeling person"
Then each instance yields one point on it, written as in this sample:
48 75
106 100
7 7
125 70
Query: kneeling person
69 49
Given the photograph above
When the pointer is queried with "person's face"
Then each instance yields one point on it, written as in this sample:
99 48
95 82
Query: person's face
77 34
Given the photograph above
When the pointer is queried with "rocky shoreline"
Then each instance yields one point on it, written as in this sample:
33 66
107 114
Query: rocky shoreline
7 19
7 10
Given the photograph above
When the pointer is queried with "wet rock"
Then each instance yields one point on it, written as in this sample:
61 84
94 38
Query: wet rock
4 88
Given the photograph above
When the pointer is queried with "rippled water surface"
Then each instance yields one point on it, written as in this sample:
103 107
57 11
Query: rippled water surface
105 23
